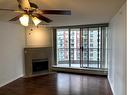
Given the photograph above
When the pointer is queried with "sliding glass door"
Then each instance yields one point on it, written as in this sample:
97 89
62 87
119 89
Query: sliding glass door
81 47
75 47
62 46
85 48
91 47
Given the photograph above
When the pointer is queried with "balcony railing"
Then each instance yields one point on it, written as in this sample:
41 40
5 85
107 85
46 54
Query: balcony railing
87 56
77 54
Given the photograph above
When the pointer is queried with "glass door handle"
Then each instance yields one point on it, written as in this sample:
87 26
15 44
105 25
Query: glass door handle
81 48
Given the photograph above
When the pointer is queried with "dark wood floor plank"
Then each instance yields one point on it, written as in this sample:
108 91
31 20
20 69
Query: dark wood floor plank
58 84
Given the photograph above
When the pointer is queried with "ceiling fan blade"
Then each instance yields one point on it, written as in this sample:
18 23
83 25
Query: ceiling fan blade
57 12
7 10
24 4
11 10
15 18
33 5
41 17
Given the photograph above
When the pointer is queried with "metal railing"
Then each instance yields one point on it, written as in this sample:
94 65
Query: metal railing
90 54
86 56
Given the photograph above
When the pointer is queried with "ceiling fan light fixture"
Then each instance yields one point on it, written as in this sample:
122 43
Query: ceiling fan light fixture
24 19
36 20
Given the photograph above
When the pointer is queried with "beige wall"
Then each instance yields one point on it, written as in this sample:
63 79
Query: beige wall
38 36
12 41
116 52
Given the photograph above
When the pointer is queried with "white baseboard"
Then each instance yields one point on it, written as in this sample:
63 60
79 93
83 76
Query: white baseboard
111 86
11 80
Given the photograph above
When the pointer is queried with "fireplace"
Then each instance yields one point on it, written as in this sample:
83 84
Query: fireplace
37 61
39 65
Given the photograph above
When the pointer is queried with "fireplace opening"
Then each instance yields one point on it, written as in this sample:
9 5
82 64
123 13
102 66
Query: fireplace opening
39 65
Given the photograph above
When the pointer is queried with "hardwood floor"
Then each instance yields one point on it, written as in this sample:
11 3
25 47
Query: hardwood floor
58 84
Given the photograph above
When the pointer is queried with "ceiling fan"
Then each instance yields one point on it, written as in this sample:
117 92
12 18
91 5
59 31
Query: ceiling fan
28 9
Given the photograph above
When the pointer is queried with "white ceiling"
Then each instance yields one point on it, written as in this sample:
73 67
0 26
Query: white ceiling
83 11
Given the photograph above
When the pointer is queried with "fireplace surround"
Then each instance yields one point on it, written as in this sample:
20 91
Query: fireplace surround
40 58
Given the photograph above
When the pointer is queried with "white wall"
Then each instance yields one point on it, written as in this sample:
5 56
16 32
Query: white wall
126 47
38 36
12 41
116 52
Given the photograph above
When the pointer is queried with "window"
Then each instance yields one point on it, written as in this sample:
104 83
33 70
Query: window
91 45
74 46
91 35
72 40
85 45
91 50
91 54
85 54
91 40
85 40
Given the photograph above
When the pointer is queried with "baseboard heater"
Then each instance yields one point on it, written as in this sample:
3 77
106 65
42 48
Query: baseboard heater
81 71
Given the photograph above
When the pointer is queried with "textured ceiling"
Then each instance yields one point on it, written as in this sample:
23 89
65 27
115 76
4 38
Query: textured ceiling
83 11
